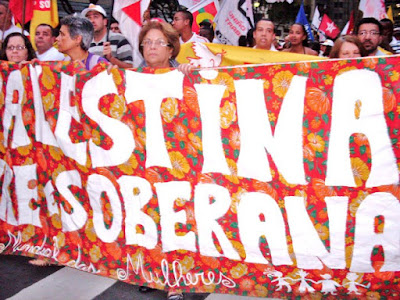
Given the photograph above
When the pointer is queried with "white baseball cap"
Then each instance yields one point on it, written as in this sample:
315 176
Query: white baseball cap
327 43
94 7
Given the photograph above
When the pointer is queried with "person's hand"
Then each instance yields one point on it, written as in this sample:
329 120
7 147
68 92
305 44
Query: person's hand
107 50
26 62
186 69
111 68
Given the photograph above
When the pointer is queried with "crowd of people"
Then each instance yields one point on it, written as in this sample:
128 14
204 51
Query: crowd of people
87 39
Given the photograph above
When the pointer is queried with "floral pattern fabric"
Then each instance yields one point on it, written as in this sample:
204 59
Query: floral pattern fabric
191 271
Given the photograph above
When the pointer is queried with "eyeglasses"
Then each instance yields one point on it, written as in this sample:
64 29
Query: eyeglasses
157 43
12 48
372 32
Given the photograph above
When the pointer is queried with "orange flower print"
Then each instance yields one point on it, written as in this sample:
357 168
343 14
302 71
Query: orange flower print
195 141
316 142
89 231
360 170
315 123
394 76
322 231
180 131
281 83
117 108
233 169
226 80
247 284
320 189
304 67
317 100
234 139
360 139
239 270
95 253
129 166
114 250
47 78
48 101
212 262
180 166
370 63
187 264
190 96
28 232
389 100
228 114
169 109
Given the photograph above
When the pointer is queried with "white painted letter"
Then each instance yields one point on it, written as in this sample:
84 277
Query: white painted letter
78 217
96 185
348 88
206 217
251 228
152 89
20 136
285 146
43 132
6 208
209 98
307 245
23 175
167 193
52 206
365 237
65 114
134 202
121 135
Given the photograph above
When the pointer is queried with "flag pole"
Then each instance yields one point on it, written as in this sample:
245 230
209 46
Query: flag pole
23 16
109 20
4 25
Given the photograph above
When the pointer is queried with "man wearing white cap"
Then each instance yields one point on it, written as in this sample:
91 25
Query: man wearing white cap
116 49
326 48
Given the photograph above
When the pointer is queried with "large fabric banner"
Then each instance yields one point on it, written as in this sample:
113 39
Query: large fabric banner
277 180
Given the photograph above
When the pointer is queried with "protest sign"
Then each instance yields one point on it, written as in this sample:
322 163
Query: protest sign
276 180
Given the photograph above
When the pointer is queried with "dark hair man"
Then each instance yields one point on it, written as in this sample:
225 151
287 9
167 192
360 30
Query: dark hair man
182 22
44 41
369 32
117 50
264 35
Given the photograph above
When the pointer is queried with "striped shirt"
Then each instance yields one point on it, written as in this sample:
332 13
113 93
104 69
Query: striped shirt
395 44
120 47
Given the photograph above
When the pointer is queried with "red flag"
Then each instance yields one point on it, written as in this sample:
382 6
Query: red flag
349 27
129 14
16 7
328 27
205 10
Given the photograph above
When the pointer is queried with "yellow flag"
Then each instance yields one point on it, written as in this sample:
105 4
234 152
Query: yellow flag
44 11
390 13
217 55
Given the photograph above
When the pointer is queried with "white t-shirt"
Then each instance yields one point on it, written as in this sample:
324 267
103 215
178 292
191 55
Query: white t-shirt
270 49
51 55
12 29
195 38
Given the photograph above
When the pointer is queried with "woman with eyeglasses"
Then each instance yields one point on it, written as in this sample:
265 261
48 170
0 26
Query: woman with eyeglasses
17 48
159 45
